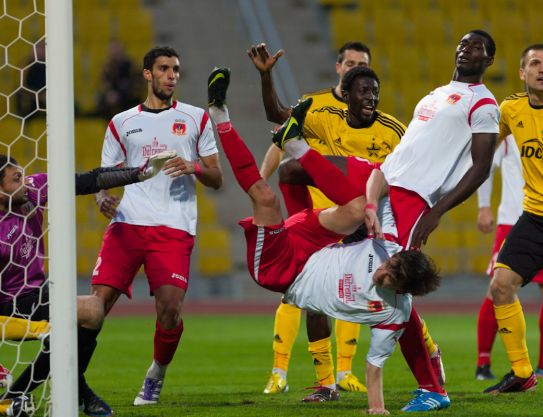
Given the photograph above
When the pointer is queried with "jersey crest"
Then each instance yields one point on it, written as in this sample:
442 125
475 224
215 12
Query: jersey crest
454 98
179 128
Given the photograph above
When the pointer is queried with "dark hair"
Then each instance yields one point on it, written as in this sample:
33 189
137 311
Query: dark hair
535 46
355 72
151 56
355 46
414 272
6 161
490 45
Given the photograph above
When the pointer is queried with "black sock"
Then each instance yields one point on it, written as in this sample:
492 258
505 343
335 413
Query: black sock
86 344
34 374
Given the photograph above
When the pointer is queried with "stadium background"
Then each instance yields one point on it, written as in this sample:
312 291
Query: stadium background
412 44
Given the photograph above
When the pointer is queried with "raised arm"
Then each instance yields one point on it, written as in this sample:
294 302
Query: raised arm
376 188
263 61
482 152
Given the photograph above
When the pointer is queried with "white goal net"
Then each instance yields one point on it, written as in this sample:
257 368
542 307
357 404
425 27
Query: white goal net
37 250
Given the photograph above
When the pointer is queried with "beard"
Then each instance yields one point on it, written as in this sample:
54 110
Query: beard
161 95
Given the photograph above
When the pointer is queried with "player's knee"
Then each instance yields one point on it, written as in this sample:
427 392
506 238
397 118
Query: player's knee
504 285
169 316
90 311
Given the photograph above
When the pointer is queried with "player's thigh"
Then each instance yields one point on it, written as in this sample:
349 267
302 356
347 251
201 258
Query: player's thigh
120 257
167 257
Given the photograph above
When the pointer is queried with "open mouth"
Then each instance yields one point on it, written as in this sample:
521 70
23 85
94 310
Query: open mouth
368 110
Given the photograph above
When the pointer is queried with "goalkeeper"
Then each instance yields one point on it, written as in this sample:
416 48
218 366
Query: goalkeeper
24 297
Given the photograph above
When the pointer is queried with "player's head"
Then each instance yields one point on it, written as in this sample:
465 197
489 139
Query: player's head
161 70
360 90
11 183
352 54
408 272
531 67
475 53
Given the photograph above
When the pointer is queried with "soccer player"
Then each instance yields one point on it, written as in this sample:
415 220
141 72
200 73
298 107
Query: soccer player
506 157
24 295
358 130
284 256
356 139
155 223
521 256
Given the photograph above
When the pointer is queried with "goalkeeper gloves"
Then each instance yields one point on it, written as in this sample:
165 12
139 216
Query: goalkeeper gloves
154 164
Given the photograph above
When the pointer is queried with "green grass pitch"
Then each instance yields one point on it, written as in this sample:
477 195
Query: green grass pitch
223 362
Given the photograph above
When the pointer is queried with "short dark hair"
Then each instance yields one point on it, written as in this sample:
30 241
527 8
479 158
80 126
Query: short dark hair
6 161
151 56
534 47
355 72
414 272
355 46
490 45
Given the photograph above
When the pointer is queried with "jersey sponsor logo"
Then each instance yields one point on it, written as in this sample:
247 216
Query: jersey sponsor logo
12 231
154 148
347 288
427 112
276 232
26 248
179 277
532 148
520 124
454 98
179 127
130 132
375 306
370 263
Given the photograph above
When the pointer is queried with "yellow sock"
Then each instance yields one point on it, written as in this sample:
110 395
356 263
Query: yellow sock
430 345
321 351
285 330
4 405
512 330
13 328
347 335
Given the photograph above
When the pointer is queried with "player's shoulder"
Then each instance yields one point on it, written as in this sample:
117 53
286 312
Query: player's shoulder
390 122
119 117
188 108
516 100
330 111
318 93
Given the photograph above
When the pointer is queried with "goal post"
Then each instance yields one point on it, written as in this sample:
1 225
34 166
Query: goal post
61 213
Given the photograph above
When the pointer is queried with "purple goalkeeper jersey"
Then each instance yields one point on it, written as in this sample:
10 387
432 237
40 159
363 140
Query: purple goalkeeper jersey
21 243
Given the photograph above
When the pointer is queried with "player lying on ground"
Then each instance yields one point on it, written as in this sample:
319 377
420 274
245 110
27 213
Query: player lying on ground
22 283
365 282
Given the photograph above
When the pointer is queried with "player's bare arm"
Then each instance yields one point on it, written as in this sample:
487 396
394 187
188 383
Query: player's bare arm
376 188
374 383
482 152
264 61
271 162
208 171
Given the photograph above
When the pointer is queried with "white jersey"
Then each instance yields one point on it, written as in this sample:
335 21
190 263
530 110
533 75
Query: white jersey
337 281
135 135
435 151
507 156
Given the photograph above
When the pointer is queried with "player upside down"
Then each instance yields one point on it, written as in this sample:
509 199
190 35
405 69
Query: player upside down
284 255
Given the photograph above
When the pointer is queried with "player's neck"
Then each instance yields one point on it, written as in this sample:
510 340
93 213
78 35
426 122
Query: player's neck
535 98
155 103
337 92
469 79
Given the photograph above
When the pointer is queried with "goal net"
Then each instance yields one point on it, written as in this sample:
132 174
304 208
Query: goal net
37 250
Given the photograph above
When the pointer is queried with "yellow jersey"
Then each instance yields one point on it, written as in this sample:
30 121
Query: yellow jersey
525 123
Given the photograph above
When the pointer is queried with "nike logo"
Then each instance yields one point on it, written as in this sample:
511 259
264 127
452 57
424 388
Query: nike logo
292 121
215 78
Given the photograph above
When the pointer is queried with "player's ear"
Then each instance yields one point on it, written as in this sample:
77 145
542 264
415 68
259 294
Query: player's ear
345 95
147 74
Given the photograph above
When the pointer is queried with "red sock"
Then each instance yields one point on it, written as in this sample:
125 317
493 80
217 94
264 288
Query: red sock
416 355
296 197
329 179
487 326
166 342
540 363
240 157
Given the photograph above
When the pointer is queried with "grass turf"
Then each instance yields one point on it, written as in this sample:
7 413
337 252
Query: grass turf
223 363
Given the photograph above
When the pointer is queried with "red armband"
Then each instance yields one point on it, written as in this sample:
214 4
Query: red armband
371 207
197 169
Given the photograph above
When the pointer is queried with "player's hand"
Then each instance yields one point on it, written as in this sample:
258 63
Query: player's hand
178 166
107 204
485 220
372 223
376 410
426 225
261 57
154 164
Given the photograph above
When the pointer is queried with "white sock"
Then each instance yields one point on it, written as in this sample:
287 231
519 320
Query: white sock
297 148
156 371
280 371
219 114
342 374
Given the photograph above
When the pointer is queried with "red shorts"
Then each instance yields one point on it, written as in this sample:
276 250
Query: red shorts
502 230
277 254
359 171
163 251
407 208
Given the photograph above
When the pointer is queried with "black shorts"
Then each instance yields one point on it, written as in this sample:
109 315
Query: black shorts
33 305
522 250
